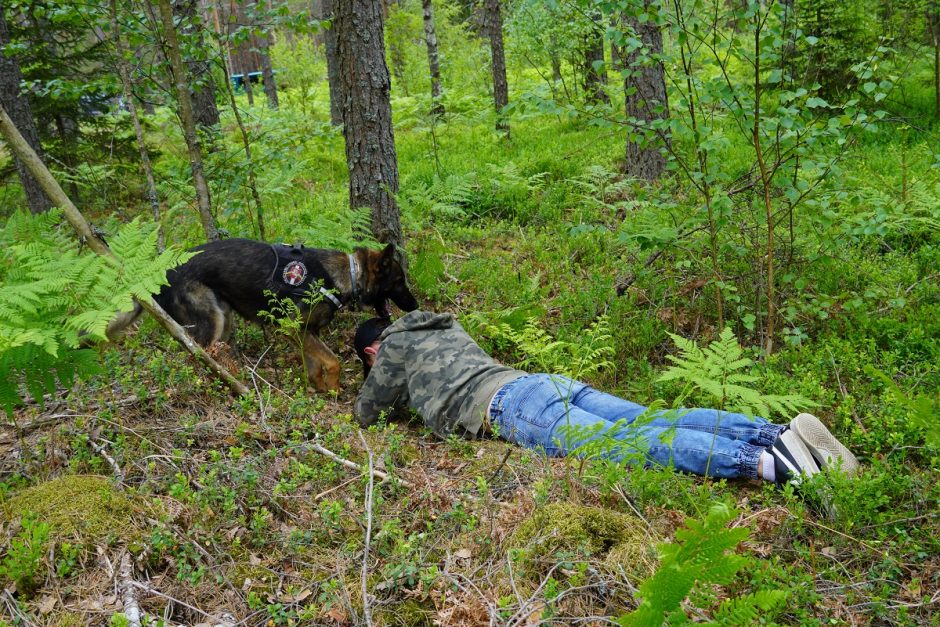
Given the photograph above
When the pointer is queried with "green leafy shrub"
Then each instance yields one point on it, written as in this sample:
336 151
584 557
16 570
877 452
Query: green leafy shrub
701 556
54 295
23 562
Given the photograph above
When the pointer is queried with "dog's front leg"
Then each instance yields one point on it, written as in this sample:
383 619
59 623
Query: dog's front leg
322 365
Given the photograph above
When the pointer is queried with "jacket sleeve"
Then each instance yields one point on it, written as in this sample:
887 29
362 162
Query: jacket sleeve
385 389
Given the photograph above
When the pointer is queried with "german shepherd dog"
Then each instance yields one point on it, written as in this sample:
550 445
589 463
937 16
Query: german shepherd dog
239 275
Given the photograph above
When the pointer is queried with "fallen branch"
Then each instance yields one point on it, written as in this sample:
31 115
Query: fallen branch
101 450
366 610
350 464
146 588
50 186
128 591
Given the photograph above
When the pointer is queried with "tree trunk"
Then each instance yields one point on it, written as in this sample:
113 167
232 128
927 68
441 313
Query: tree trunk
246 144
267 70
332 63
933 18
124 72
494 27
249 90
18 105
367 115
188 121
430 38
595 79
205 110
645 90
23 151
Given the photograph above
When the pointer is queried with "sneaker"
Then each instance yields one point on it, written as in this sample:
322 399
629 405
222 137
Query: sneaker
824 447
791 458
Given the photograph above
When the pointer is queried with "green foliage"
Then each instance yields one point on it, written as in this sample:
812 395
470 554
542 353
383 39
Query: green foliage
54 295
702 555
538 351
720 371
23 562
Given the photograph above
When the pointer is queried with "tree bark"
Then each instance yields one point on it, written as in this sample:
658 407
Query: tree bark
20 111
595 79
124 73
332 63
246 144
267 70
205 110
430 39
646 101
203 199
367 115
933 18
494 27
23 151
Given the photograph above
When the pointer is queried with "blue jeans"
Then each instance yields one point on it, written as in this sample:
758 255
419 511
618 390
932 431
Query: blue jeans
533 411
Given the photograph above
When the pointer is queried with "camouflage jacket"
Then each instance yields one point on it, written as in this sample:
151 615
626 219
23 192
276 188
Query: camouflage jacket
428 362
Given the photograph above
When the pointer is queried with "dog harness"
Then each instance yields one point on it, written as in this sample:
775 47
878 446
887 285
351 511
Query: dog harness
293 276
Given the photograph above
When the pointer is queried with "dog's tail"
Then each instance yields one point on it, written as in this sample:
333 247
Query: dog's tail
122 321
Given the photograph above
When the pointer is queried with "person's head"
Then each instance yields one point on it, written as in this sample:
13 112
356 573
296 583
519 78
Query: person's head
367 341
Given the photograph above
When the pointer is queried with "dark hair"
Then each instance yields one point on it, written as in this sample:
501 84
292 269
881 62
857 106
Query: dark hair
368 332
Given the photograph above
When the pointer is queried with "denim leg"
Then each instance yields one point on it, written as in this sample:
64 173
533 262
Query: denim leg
729 425
534 413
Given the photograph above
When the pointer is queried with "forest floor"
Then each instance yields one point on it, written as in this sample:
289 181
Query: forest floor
230 515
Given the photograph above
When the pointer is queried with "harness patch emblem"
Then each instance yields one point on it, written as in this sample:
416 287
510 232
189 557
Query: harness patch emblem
294 273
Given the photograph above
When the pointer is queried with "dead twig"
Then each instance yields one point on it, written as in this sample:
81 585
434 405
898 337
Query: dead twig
350 464
146 588
101 450
128 592
366 610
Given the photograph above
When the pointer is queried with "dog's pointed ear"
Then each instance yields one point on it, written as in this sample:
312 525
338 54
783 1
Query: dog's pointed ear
388 255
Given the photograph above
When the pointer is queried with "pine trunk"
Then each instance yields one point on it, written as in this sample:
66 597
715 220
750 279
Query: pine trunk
267 70
933 18
367 115
17 104
337 99
205 110
645 89
595 79
124 72
494 27
430 38
188 121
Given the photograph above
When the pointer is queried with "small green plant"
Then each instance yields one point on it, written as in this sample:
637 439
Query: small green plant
23 562
703 555
719 371
537 350
287 317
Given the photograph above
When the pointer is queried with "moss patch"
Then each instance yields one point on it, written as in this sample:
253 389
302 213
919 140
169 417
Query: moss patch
83 508
569 528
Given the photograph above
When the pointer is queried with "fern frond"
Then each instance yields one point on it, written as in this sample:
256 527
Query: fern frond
720 371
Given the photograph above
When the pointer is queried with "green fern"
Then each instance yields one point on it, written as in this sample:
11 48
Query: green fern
720 371
54 293
537 350
703 554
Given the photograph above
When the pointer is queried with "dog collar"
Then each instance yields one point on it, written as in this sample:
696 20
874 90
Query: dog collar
327 294
354 275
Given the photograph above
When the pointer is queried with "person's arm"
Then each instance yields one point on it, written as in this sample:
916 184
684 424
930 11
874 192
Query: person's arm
385 389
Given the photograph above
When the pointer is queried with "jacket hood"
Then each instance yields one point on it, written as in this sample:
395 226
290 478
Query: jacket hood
420 321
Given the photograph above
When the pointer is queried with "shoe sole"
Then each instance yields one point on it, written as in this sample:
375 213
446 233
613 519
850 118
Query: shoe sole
802 456
824 446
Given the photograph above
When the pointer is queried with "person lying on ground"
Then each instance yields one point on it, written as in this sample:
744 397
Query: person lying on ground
426 362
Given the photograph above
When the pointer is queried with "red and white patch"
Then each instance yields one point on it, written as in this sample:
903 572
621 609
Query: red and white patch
294 273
